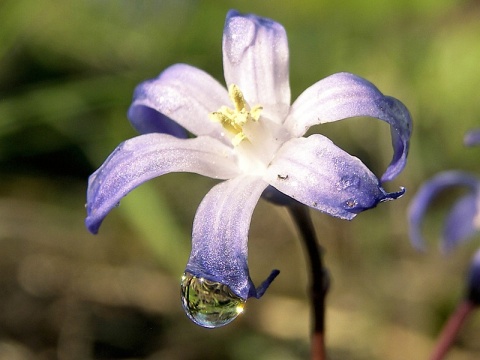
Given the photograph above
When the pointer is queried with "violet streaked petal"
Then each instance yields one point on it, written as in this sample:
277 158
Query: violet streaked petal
319 174
220 235
345 95
424 196
472 138
147 156
255 58
147 120
460 223
277 197
183 94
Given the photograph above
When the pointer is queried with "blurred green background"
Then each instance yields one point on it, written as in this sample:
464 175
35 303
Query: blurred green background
67 74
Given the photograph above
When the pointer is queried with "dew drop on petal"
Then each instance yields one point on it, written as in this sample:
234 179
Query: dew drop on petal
208 303
351 203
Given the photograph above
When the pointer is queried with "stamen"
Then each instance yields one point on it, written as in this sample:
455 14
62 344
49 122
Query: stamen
233 120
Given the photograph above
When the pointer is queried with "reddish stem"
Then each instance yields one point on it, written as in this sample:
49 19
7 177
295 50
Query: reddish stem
318 277
451 329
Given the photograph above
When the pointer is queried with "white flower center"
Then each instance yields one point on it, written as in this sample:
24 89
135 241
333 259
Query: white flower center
255 138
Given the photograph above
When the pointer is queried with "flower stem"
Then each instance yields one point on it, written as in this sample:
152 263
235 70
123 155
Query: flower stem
451 329
318 277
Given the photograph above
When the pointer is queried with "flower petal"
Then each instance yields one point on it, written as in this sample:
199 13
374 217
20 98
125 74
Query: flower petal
460 223
345 95
472 138
220 235
146 120
319 174
183 94
473 279
419 204
147 156
255 58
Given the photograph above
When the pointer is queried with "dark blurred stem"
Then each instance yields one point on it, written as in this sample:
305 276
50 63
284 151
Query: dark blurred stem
451 329
318 277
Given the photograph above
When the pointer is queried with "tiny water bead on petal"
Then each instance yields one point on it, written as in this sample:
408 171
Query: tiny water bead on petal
208 303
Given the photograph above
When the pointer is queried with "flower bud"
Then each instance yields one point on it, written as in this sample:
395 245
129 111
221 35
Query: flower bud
473 280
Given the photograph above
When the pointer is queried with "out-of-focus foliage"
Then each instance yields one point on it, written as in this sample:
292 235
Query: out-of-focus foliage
67 73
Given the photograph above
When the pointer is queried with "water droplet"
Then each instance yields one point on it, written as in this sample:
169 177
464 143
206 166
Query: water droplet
208 303
351 203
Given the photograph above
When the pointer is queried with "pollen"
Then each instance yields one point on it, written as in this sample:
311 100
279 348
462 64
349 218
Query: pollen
233 120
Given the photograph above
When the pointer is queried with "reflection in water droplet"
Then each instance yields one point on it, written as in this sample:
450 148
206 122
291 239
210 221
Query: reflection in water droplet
208 303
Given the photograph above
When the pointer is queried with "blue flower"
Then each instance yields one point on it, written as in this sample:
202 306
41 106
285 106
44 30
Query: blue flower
251 137
463 220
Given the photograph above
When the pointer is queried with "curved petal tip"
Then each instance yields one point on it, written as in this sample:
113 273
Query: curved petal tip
394 195
425 195
260 290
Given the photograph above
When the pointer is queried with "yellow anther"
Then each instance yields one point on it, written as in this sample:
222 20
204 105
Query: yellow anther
233 120
237 98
